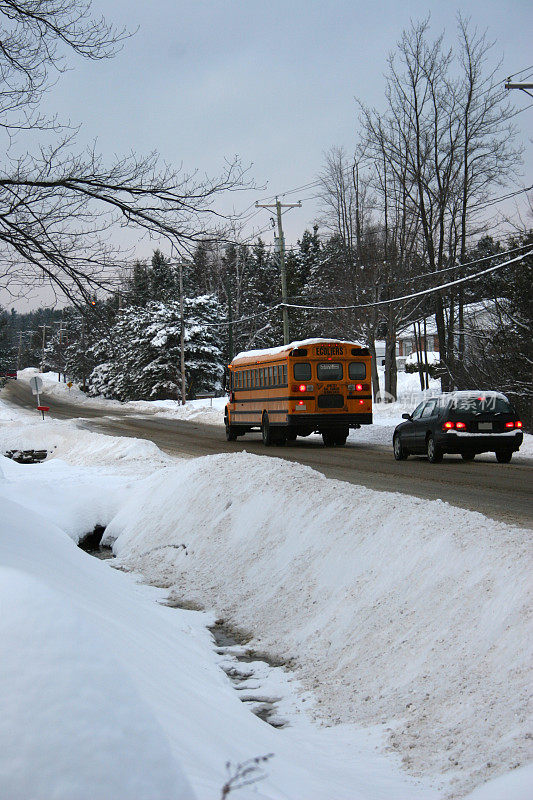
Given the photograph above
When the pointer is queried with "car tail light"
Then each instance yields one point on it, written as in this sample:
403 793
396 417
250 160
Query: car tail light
518 424
509 424
460 426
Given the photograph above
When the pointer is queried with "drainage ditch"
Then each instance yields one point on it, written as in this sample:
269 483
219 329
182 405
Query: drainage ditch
248 680
92 544
250 671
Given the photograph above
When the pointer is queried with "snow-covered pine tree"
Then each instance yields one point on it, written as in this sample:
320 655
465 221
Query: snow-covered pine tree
163 283
203 351
141 359
160 353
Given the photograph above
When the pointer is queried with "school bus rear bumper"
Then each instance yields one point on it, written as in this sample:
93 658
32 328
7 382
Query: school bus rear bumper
325 420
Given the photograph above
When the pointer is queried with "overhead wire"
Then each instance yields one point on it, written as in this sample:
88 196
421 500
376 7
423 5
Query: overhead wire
376 303
414 294
520 71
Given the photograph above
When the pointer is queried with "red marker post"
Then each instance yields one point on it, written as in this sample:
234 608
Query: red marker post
42 409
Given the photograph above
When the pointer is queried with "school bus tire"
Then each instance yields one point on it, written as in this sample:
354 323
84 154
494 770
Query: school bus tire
266 430
328 438
339 439
231 433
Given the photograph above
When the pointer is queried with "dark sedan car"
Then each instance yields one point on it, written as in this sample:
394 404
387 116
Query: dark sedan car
466 423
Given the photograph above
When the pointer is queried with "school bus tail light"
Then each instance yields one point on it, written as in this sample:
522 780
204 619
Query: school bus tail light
301 387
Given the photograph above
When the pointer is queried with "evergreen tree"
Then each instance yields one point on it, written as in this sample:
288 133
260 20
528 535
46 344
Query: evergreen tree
163 283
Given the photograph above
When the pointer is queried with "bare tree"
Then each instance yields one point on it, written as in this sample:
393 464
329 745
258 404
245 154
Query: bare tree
348 206
58 208
489 156
442 138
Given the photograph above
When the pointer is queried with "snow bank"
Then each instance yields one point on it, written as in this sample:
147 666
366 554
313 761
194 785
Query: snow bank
75 500
73 723
105 693
398 611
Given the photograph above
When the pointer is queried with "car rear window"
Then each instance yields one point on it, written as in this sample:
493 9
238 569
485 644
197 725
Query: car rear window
302 371
357 370
474 406
329 371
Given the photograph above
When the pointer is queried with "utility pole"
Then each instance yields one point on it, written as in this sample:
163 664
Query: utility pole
281 249
60 359
44 345
84 368
182 336
19 352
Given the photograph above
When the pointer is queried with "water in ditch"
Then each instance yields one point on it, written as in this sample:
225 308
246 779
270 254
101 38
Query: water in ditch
249 671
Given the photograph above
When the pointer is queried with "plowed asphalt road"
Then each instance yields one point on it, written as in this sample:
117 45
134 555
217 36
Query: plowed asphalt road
501 491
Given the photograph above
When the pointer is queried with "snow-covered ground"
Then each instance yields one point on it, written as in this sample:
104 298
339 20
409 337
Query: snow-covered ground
211 411
404 622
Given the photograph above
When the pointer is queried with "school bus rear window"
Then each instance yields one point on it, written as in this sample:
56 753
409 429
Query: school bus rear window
357 370
302 371
329 371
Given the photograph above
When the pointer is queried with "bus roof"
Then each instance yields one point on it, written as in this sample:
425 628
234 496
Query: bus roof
248 356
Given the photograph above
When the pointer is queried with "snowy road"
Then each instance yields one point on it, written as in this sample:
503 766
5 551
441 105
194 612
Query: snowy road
500 491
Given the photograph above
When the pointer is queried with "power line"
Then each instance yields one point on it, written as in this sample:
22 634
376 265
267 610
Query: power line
520 71
378 302
416 294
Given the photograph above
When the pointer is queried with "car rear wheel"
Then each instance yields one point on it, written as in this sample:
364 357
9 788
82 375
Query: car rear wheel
468 456
504 456
400 453
434 451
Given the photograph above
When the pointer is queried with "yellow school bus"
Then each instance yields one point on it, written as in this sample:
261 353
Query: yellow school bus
315 386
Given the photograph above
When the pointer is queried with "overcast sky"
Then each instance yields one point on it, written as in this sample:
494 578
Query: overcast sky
273 82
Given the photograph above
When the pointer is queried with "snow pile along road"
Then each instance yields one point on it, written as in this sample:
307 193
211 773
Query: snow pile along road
397 611
106 693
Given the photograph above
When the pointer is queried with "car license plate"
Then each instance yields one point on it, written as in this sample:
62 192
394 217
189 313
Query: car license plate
484 426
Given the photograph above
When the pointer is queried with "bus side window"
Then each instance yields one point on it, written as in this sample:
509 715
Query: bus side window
284 380
248 379
278 375
270 381
256 378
